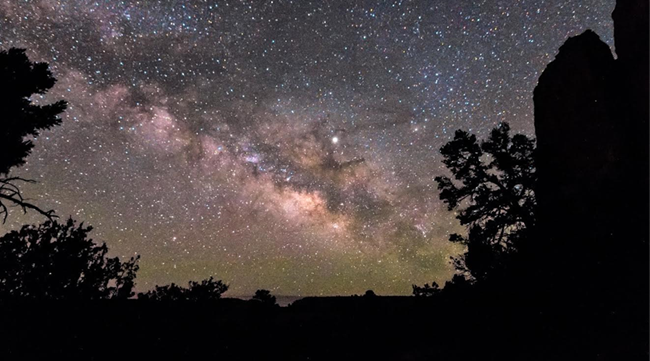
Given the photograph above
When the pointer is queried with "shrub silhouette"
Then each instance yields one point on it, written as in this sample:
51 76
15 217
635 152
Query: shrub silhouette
426 290
20 79
206 290
55 261
265 297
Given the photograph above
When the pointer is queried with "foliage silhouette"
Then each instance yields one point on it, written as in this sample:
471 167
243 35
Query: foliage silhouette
206 290
494 181
265 297
426 290
20 79
57 261
457 283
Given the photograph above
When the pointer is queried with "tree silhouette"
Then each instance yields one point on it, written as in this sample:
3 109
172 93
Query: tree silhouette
207 290
20 79
426 290
493 191
58 261
457 283
265 297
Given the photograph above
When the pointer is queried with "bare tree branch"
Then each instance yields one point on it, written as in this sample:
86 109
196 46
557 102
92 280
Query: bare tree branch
10 193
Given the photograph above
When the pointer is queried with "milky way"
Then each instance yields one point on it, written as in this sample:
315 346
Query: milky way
287 145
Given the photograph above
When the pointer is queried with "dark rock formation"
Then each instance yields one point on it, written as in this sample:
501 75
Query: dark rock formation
630 95
574 131
591 121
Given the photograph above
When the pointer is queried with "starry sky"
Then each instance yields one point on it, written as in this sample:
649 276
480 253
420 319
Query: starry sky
286 145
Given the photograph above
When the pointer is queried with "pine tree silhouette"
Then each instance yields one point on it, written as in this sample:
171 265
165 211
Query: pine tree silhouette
20 80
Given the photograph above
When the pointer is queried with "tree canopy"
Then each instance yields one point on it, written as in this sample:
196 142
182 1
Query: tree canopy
20 80
426 290
265 297
58 261
207 290
493 191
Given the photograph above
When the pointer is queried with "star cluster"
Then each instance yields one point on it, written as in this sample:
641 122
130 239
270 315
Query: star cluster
287 145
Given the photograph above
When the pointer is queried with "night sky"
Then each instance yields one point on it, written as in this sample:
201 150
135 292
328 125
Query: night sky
286 145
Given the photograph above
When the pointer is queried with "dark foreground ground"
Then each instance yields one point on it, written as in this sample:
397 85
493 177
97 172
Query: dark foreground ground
342 328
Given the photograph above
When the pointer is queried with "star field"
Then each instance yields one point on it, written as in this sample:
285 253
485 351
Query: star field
287 145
